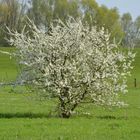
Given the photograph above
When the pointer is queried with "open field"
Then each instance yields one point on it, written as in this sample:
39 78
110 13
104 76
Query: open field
23 117
8 68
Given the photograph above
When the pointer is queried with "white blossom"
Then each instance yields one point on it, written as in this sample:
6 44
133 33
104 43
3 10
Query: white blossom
75 63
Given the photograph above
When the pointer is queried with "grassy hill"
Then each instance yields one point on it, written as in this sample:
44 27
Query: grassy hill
22 117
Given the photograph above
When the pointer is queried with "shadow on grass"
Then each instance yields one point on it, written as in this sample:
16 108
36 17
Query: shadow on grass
50 115
109 117
25 115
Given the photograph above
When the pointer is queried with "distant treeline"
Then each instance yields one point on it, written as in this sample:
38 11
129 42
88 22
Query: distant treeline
13 14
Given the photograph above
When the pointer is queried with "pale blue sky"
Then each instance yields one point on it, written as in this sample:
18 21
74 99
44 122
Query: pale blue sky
131 6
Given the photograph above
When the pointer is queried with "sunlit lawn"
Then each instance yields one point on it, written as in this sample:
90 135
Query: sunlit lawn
23 117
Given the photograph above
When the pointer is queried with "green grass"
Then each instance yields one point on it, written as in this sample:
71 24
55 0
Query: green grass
22 117
136 71
8 67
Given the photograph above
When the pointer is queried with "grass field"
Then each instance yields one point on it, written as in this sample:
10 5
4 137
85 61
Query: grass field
23 117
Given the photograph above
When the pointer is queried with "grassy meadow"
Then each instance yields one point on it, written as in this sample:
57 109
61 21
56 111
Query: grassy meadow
23 117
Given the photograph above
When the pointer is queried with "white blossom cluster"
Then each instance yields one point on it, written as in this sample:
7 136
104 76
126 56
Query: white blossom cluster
74 63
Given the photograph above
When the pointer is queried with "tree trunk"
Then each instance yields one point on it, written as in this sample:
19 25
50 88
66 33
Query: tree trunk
65 110
65 114
66 107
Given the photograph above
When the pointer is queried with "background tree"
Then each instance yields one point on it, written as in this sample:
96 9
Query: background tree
137 31
102 16
89 10
43 12
12 13
131 30
65 8
128 28
38 11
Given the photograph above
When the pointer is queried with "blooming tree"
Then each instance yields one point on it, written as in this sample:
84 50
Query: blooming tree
74 63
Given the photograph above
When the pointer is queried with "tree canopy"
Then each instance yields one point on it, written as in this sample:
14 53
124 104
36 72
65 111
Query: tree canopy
73 63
